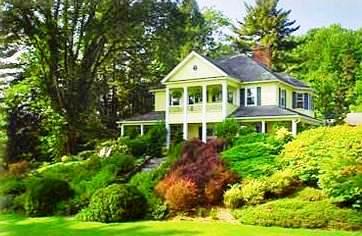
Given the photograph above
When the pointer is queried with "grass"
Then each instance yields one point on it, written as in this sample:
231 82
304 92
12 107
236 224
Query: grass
12 225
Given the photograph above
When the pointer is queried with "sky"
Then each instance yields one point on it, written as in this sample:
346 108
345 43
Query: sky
308 13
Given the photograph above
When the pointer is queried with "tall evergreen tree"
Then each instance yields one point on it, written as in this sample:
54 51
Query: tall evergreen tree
267 26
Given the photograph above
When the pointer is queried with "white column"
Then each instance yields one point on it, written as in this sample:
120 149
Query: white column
238 97
185 103
224 98
142 130
167 105
204 124
294 127
263 126
122 130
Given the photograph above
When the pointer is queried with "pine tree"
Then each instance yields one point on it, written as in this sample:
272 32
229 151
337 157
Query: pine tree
267 26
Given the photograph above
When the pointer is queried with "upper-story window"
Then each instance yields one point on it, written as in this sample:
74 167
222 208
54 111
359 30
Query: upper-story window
251 96
282 98
302 101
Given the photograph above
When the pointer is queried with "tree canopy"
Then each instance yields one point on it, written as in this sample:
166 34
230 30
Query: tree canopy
267 26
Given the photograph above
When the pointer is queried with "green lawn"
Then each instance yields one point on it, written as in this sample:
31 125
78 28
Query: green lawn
15 225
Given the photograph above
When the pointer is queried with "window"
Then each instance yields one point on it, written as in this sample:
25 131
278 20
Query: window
251 96
231 96
300 100
283 98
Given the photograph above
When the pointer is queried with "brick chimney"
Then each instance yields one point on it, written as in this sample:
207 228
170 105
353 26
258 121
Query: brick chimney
262 55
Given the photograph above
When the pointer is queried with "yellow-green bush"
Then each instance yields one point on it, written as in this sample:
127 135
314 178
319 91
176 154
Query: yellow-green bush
282 183
330 157
233 197
310 194
295 213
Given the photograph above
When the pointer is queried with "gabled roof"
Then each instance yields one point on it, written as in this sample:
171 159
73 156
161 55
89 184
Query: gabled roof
247 69
243 68
188 58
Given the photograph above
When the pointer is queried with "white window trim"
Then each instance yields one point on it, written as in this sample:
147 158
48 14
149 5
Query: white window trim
246 96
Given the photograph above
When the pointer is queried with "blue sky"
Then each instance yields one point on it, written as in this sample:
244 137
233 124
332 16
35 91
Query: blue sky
308 13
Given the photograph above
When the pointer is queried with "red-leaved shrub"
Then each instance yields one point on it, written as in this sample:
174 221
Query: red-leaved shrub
182 195
199 164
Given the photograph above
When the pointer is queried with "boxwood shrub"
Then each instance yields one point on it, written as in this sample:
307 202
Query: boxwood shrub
43 194
115 203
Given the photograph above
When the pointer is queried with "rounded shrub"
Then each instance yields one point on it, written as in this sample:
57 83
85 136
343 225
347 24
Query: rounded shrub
182 195
282 183
254 191
233 197
115 203
43 194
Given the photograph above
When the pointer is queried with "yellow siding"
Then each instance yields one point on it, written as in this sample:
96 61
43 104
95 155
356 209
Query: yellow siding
269 94
204 70
160 100
193 131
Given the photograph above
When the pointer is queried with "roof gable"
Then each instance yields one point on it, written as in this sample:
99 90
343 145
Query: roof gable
194 66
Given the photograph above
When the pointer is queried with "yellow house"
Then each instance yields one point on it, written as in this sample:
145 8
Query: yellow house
200 92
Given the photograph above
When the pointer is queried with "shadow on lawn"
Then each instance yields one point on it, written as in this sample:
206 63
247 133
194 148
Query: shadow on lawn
19 226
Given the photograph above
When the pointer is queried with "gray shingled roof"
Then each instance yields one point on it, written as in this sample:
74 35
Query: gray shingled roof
256 111
154 115
248 70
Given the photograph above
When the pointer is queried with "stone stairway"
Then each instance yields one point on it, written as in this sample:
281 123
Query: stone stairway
152 164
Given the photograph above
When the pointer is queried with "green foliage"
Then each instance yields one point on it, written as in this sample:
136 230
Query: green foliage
251 156
233 197
310 194
294 213
330 59
341 178
11 185
282 183
266 25
156 139
86 177
227 130
115 203
36 131
145 182
43 194
253 192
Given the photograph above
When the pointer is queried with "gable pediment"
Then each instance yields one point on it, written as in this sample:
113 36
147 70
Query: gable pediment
193 67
